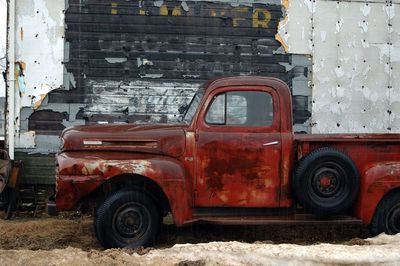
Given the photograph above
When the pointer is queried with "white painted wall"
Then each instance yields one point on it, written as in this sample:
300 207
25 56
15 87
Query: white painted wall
3 37
355 50
3 30
39 52
39 49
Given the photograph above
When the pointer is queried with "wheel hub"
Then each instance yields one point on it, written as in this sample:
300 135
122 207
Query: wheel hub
128 221
326 182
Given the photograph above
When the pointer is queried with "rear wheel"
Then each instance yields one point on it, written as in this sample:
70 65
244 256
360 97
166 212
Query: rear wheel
387 215
127 218
326 182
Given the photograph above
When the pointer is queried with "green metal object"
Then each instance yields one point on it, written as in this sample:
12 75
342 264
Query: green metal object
38 168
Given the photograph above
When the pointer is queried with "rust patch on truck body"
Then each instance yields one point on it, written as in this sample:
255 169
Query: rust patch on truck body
376 157
79 174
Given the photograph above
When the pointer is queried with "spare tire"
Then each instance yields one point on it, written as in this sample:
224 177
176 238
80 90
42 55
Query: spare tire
326 182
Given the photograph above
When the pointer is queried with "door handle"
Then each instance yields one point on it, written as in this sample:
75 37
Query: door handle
271 143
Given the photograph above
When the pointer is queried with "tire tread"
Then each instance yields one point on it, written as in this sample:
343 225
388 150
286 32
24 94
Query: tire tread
102 212
377 224
301 169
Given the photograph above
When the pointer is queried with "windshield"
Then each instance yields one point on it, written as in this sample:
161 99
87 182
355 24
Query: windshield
194 103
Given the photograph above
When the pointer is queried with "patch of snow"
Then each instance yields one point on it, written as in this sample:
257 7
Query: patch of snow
381 250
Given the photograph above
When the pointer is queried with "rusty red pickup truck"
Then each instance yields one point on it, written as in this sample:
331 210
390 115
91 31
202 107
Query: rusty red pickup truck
233 159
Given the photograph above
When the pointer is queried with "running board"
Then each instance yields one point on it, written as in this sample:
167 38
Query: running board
295 219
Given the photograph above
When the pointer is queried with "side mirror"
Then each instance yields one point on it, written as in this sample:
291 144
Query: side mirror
182 109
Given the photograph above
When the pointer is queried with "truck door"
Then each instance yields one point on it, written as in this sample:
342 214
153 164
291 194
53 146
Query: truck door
238 148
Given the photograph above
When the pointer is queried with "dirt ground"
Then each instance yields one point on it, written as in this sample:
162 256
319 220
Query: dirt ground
69 240
75 230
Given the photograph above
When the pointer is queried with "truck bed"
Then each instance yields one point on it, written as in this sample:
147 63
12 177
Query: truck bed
300 138
364 149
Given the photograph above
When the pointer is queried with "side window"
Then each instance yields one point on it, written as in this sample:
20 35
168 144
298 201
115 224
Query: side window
236 109
216 113
247 108
260 109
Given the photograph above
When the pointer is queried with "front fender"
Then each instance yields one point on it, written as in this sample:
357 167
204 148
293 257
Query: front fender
377 181
80 173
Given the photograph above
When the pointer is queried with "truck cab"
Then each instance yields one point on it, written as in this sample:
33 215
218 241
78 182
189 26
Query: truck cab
238 149
233 159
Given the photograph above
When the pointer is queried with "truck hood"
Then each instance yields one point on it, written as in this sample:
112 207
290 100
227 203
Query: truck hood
147 138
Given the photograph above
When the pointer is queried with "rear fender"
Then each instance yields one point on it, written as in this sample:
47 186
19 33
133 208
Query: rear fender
79 174
376 182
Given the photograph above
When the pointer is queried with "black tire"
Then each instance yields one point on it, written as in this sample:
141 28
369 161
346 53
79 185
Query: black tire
326 182
97 226
387 215
127 218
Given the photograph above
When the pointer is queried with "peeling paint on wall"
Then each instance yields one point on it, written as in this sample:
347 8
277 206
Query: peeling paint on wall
39 56
40 50
186 43
26 140
233 3
115 60
130 73
140 101
138 61
355 62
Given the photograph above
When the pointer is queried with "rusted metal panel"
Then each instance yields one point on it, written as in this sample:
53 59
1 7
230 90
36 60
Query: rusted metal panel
234 168
387 138
161 139
292 219
378 181
278 162
80 174
376 157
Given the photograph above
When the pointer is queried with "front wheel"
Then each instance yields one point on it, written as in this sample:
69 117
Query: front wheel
127 218
387 215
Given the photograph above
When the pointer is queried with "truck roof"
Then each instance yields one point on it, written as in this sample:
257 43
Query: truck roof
279 85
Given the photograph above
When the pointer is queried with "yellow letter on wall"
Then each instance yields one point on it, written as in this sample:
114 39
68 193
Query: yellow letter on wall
263 23
114 10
